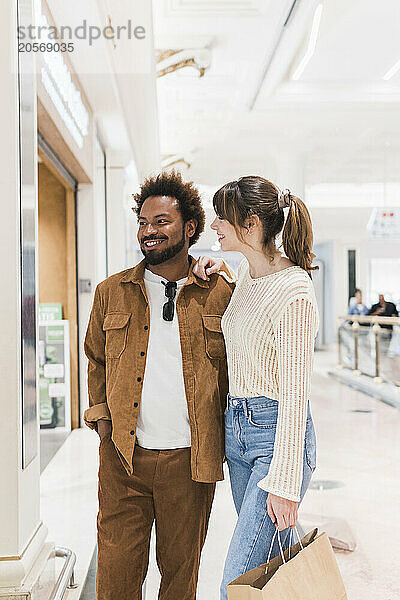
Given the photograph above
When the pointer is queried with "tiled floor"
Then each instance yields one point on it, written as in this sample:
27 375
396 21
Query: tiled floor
358 450
68 487
362 451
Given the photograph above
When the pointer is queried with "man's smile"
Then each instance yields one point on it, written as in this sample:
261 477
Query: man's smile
152 243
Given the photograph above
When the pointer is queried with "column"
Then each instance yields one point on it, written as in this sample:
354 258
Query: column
116 226
23 551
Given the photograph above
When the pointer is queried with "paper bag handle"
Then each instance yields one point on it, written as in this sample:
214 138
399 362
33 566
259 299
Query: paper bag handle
280 544
290 540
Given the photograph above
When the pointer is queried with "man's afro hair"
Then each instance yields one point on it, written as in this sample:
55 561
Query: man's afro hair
171 184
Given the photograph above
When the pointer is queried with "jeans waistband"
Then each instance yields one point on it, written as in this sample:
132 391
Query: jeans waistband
260 401
236 401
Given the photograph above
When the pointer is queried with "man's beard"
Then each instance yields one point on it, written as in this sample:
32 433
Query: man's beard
154 257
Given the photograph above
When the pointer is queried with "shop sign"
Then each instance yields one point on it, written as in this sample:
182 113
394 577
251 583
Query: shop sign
57 80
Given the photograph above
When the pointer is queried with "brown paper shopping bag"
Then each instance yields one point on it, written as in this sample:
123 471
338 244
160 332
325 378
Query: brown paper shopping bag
307 571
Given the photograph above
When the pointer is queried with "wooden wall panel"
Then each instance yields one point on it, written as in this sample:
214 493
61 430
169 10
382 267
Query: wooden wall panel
57 260
52 238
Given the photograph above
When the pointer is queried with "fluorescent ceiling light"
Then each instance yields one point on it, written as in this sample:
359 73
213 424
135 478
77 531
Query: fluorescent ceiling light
312 42
392 71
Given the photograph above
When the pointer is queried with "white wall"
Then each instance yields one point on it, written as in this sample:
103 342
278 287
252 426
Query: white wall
353 195
384 270
115 215
87 263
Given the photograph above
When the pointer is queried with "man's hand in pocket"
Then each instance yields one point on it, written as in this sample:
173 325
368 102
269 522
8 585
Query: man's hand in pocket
103 428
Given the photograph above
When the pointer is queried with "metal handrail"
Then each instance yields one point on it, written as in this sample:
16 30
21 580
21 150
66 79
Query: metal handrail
353 322
66 577
372 319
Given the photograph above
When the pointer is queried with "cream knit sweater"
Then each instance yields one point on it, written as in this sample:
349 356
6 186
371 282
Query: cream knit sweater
269 327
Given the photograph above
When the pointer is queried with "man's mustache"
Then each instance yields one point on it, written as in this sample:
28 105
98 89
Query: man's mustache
152 239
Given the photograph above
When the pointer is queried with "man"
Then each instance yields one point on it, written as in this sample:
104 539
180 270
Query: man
383 309
157 380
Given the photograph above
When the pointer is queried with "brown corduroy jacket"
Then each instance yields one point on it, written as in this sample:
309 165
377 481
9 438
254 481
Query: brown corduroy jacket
116 346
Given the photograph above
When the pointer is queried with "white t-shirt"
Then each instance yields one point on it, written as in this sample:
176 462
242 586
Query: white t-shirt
163 421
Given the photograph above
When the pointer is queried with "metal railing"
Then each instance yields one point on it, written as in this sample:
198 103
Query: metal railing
363 340
66 577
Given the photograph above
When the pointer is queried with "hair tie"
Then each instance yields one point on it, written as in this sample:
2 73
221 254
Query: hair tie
284 198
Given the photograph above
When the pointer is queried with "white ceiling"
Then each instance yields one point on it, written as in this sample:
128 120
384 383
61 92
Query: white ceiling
358 42
341 120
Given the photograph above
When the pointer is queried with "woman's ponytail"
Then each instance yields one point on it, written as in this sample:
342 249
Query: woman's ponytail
297 235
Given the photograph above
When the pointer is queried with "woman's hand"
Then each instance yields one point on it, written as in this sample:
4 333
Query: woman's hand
282 512
206 266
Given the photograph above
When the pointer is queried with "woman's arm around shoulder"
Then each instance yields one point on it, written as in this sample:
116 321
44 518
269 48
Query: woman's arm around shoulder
207 265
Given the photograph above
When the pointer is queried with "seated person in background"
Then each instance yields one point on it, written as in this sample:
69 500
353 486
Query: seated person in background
383 309
356 306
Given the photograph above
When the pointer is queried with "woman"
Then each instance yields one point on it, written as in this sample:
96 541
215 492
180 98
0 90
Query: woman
269 327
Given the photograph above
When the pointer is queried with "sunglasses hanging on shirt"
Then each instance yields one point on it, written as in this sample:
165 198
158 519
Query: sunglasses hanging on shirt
169 306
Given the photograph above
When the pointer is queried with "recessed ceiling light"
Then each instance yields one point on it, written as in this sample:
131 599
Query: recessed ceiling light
392 71
312 42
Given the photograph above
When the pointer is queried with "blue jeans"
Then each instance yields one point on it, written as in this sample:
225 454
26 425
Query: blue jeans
250 426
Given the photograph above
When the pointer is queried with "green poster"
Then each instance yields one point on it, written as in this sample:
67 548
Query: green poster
50 311
54 333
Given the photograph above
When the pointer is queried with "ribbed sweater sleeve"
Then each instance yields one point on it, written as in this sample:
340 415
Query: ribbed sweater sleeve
294 332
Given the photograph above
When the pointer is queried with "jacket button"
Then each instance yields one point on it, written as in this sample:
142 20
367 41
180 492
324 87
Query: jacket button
139 379
146 327
132 432
135 404
142 354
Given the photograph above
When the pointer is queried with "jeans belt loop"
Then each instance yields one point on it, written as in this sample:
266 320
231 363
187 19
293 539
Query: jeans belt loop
244 403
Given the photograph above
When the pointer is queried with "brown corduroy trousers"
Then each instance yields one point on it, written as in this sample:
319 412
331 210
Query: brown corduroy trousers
161 490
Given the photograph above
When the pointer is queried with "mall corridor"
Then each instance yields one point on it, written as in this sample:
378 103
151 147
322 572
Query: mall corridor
137 138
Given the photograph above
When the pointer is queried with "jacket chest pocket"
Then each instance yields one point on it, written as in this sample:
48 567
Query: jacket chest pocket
215 345
116 327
